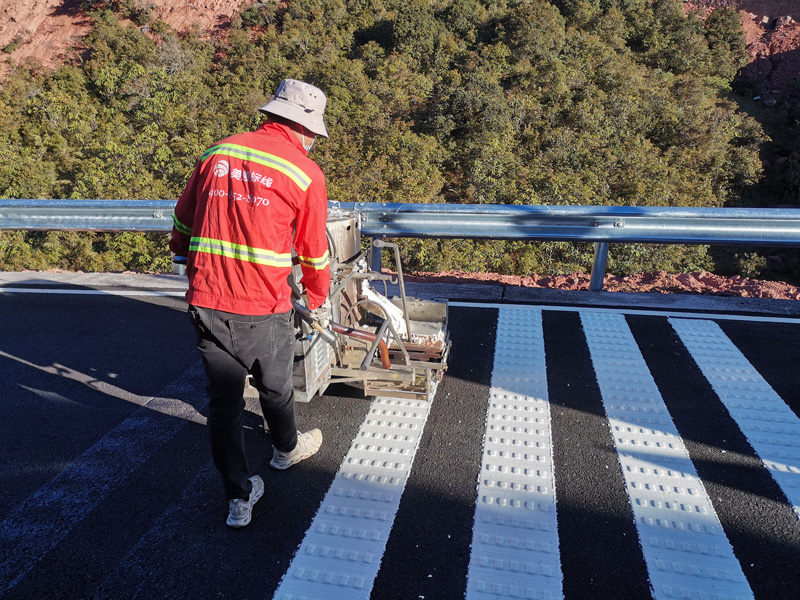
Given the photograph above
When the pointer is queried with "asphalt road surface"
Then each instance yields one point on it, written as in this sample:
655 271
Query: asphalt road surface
580 446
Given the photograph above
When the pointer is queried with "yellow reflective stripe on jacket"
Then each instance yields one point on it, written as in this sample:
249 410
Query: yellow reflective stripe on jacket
263 158
259 256
180 226
315 263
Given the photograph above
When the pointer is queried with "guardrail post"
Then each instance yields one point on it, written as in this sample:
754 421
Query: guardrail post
599 266
374 255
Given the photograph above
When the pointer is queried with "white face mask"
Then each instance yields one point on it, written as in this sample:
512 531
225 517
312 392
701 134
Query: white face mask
311 145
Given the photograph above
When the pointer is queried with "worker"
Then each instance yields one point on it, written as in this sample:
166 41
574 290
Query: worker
252 198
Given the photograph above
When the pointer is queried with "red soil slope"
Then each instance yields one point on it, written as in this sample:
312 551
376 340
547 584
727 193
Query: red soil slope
661 282
50 31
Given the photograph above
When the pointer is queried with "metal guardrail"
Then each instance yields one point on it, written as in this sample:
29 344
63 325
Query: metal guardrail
602 225
87 215
599 224
649 225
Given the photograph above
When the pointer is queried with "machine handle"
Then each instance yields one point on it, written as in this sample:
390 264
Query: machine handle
305 314
383 349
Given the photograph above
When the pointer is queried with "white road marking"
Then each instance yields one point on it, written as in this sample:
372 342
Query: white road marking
342 550
515 539
685 548
85 292
631 311
771 428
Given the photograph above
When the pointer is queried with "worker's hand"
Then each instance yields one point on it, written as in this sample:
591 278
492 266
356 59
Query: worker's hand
322 313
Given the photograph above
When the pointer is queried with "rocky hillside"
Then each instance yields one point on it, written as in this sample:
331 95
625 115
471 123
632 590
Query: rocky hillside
772 31
50 31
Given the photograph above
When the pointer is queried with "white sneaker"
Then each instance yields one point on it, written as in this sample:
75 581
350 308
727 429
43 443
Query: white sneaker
240 511
307 445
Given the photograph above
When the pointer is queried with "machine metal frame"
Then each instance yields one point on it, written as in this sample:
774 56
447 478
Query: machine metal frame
389 347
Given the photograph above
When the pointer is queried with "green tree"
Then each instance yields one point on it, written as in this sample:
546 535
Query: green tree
607 102
726 42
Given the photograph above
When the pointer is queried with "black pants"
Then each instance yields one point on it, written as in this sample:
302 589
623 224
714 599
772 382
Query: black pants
232 346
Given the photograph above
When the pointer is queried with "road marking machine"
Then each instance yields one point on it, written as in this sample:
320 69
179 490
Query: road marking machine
394 347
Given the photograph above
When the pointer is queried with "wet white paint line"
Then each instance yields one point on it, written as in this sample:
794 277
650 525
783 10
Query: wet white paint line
685 548
46 517
771 428
342 550
514 550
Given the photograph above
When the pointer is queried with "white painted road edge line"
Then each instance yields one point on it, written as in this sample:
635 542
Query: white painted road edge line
685 548
514 550
769 425
84 292
454 303
627 311
342 550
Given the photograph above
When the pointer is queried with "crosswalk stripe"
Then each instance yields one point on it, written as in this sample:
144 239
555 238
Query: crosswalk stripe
515 541
598 540
45 518
518 549
771 428
342 550
685 548
645 312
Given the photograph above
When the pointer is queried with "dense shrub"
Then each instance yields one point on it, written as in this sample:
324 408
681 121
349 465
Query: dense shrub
468 101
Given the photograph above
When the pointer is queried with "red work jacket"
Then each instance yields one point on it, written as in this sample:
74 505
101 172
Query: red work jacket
250 199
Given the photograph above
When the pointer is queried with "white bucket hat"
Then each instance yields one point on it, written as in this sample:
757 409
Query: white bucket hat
301 103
